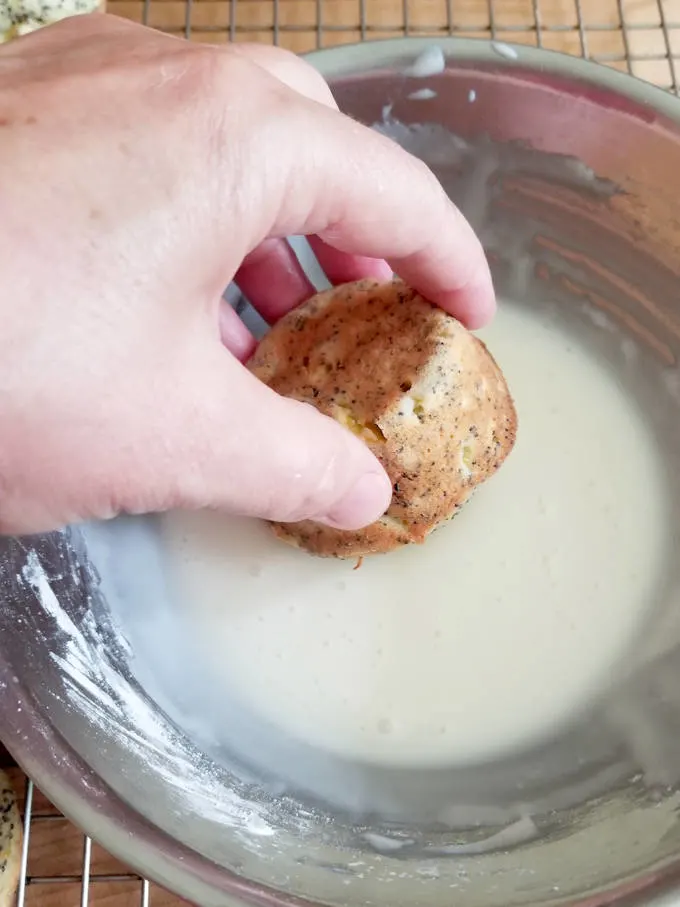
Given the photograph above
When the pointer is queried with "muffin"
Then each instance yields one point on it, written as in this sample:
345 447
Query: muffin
10 842
408 379
21 17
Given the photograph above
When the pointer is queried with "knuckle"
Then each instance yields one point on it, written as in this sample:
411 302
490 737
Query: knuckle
289 69
197 78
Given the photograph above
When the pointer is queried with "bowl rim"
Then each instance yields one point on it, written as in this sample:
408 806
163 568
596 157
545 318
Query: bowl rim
65 778
362 57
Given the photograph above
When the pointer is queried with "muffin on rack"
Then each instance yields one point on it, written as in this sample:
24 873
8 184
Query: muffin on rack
408 379
10 842
21 17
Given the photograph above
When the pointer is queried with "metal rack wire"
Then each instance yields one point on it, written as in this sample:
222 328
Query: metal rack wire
61 867
641 37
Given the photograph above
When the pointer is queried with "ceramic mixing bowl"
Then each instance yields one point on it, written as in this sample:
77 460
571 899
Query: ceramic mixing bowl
571 174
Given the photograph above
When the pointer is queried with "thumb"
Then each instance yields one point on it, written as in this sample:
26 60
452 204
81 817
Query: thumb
255 453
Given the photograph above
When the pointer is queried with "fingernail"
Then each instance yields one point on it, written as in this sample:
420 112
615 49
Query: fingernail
481 301
363 504
383 271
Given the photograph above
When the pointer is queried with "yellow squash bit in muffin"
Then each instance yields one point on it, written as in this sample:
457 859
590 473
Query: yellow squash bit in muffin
408 379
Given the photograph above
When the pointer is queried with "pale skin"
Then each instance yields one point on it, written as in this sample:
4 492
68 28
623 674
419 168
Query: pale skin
139 175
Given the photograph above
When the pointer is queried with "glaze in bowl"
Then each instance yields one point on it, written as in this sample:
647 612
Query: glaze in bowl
571 174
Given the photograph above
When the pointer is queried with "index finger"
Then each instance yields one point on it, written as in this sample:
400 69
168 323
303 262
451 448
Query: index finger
362 194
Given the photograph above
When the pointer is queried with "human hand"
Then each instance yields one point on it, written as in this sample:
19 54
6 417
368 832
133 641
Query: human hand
139 174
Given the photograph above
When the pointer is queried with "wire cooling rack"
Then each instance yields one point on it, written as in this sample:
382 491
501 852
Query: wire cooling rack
641 37
60 866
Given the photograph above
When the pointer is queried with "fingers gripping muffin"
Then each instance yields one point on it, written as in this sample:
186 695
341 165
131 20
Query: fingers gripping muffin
407 378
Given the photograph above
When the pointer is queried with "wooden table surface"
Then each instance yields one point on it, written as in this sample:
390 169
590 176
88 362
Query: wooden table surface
608 30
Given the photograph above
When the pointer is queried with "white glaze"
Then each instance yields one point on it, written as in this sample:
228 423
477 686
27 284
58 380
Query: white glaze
505 50
503 627
423 94
429 62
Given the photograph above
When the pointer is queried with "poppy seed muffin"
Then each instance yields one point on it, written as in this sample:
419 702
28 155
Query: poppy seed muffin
21 17
10 842
408 379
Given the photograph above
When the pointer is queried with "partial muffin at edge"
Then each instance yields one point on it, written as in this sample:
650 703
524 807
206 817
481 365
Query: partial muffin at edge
11 838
